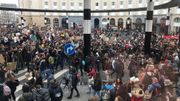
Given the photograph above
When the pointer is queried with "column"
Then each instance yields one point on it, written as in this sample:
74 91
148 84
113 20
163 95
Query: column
87 27
167 22
148 29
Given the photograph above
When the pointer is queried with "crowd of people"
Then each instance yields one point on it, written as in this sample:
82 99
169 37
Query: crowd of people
114 54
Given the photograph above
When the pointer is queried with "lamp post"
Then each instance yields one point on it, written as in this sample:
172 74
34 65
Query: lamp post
149 25
87 29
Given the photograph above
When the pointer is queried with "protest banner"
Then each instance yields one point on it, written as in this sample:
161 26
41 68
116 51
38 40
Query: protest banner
11 65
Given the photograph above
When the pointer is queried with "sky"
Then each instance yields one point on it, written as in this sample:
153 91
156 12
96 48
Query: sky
9 1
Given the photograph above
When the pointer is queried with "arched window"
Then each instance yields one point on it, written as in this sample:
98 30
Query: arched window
112 21
139 24
177 20
120 23
48 21
128 23
64 23
104 20
96 23
138 21
56 22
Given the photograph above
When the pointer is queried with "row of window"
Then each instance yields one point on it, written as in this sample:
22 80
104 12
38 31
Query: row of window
97 4
63 4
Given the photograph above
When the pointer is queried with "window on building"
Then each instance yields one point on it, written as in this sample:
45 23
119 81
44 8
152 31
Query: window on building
72 3
129 1
80 4
55 3
97 4
177 20
157 0
46 3
105 3
63 4
140 1
121 2
113 3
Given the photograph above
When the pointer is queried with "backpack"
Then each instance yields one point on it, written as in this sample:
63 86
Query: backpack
38 96
83 63
5 90
44 96
51 60
58 92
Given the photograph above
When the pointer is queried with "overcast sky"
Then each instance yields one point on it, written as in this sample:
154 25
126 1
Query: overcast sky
9 1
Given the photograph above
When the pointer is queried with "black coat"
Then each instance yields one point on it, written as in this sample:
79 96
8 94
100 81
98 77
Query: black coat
12 85
2 97
55 92
112 94
2 76
74 80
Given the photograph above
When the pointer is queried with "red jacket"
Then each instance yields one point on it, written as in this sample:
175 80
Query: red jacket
136 99
92 72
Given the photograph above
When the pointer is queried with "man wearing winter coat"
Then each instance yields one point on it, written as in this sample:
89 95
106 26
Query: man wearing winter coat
41 94
55 91
27 95
74 82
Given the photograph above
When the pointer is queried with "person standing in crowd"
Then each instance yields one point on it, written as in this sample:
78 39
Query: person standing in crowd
97 85
74 83
55 91
2 80
26 57
27 94
41 94
2 73
51 63
43 66
12 82
38 77
20 62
